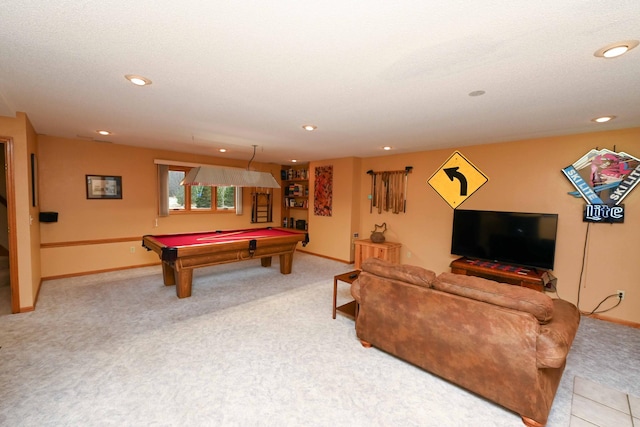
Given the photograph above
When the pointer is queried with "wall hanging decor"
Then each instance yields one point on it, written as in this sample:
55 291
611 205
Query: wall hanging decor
323 191
34 180
389 190
104 187
603 178
261 206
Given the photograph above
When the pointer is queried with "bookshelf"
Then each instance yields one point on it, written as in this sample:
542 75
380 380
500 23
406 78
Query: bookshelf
295 197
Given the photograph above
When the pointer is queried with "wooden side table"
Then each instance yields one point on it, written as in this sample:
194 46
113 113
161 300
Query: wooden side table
350 309
388 251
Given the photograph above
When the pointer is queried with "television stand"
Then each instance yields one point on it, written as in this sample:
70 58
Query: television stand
505 273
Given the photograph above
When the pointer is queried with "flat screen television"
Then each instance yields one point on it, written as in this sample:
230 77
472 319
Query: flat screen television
518 238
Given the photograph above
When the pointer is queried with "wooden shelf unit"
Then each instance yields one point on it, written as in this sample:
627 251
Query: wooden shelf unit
295 196
505 273
388 251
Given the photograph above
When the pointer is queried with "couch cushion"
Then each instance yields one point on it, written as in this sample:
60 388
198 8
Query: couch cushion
405 273
501 294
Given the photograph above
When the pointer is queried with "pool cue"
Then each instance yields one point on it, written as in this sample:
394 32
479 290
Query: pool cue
398 206
386 194
375 189
407 169
223 238
381 193
370 172
232 233
394 193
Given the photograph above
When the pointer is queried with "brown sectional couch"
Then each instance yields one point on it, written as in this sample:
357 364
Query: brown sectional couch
506 343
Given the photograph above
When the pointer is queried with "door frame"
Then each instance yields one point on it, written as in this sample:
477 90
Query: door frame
11 223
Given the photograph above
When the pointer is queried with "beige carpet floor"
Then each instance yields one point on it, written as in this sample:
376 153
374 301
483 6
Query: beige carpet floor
251 347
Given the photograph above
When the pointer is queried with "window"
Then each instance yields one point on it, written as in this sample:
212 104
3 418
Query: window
197 198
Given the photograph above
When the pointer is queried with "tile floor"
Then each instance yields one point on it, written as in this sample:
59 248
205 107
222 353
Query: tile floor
598 405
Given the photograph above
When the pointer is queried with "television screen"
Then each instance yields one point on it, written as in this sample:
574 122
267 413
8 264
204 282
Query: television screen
525 239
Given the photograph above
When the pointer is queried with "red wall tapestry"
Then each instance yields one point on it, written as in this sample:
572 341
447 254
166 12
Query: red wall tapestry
323 194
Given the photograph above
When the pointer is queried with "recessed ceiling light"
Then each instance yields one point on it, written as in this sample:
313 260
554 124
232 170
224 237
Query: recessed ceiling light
603 119
223 150
103 132
138 80
309 127
616 49
294 161
477 93
387 148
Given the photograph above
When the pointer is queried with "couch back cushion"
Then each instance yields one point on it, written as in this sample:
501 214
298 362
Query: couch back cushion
500 294
405 273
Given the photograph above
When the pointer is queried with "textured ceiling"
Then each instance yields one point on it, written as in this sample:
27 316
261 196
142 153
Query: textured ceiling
368 74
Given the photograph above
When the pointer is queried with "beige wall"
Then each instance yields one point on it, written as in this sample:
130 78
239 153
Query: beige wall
523 176
332 236
79 241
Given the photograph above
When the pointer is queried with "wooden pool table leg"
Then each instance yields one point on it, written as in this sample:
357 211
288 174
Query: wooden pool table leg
183 287
168 274
286 262
265 261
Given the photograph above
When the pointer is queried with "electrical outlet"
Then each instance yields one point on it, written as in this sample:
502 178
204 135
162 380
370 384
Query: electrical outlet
620 294
355 235
132 249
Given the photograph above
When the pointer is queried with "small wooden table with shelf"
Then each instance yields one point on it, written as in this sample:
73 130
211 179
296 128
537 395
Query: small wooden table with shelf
529 278
350 309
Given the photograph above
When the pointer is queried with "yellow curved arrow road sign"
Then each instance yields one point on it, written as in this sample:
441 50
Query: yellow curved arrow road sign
457 179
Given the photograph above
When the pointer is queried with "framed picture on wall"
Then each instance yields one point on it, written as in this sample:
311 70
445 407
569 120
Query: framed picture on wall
104 187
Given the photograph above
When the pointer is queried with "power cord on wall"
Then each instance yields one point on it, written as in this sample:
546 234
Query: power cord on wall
608 309
584 256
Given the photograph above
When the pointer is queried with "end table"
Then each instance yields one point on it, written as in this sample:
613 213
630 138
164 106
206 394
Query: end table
350 309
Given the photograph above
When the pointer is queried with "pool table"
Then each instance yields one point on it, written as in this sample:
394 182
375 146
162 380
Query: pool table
181 253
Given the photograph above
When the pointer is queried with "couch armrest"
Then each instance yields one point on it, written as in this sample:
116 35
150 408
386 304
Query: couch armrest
556 337
355 290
